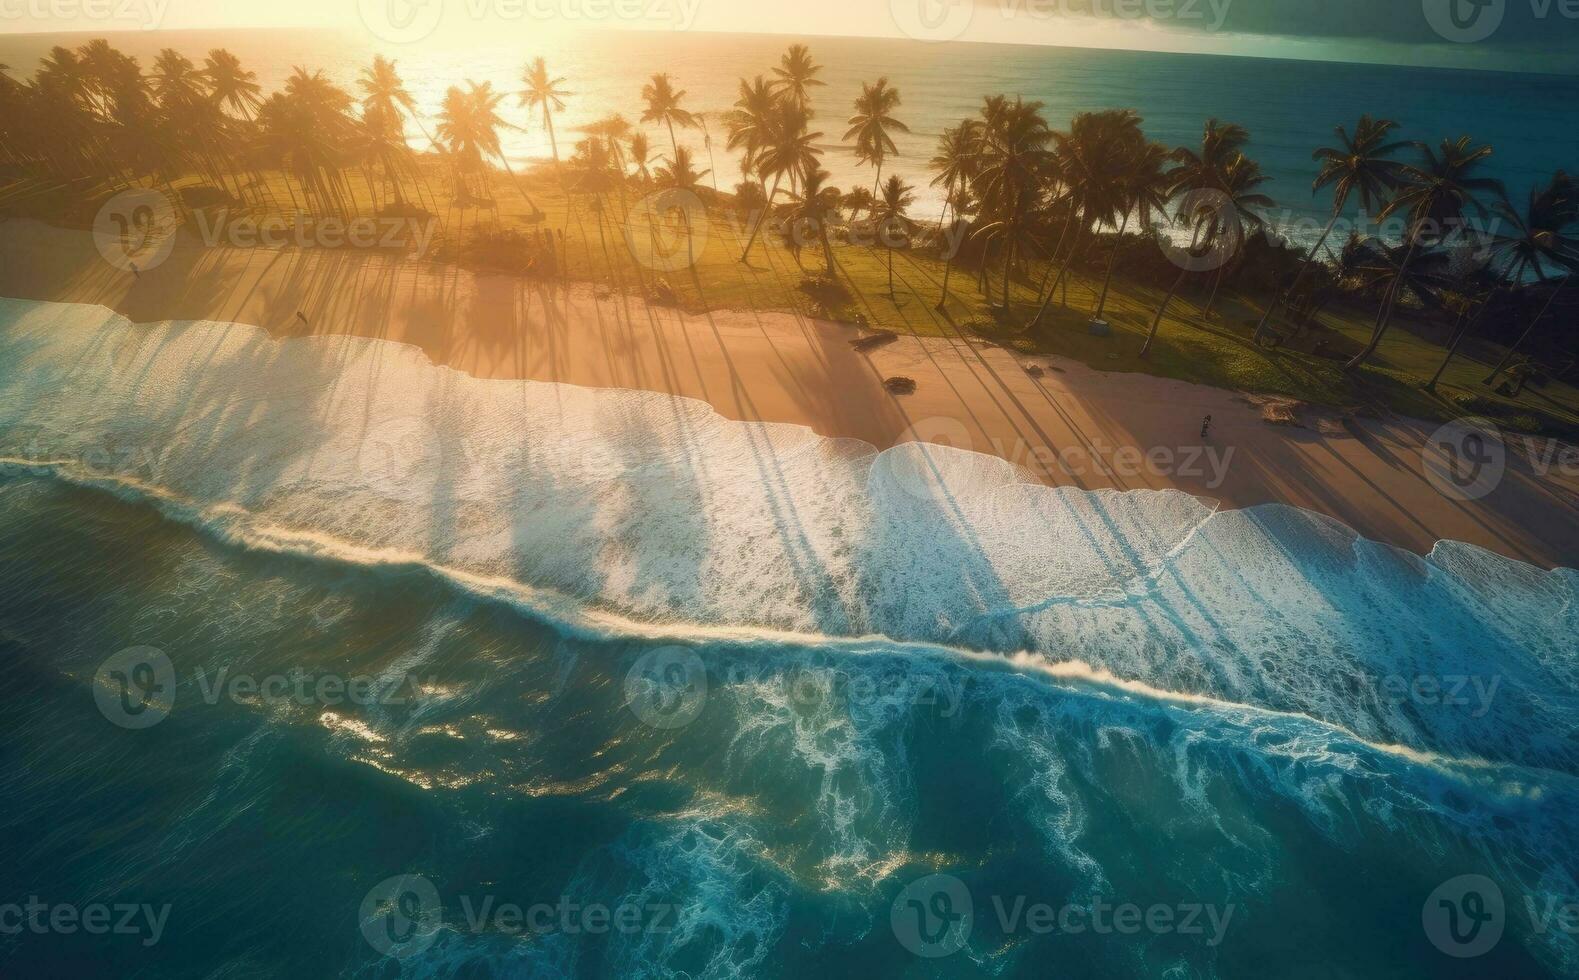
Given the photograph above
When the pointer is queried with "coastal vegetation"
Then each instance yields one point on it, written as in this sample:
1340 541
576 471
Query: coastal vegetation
1091 241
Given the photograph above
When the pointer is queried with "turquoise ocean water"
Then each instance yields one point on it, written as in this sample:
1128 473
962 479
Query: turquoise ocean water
329 659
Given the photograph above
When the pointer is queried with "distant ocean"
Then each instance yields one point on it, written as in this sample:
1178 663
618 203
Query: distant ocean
1290 107
645 692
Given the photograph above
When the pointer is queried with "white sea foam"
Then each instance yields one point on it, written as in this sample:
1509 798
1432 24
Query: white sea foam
654 509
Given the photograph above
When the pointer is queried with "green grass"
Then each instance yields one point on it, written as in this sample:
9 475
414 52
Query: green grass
1189 347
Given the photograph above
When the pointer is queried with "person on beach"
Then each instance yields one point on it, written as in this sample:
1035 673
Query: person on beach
1206 427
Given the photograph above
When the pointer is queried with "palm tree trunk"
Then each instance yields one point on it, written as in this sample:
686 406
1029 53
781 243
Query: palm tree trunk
1008 268
1310 261
948 260
891 272
767 210
1069 261
1384 317
1111 262
1217 284
1527 331
1464 330
517 182
1145 350
1057 251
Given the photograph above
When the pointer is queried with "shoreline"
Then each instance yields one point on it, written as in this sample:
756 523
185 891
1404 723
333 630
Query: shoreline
1072 425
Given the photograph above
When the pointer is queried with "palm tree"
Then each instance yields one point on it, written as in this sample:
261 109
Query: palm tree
789 149
231 85
1542 238
1360 165
953 167
750 124
485 123
302 131
796 75
893 219
663 105
592 170
1433 195
1229 203
641 156
814 208
1089 162
1013 162
176 81
542 90
1142 190
678 174
873 123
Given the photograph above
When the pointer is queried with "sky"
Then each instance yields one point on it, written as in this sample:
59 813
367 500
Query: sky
1517 35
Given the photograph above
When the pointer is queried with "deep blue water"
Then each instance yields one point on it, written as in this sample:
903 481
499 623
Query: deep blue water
643 692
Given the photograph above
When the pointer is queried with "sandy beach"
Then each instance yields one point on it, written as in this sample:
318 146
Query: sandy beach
1066 423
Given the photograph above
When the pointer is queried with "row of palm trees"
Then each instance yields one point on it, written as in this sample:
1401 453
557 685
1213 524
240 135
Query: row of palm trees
1019 190
1028 187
